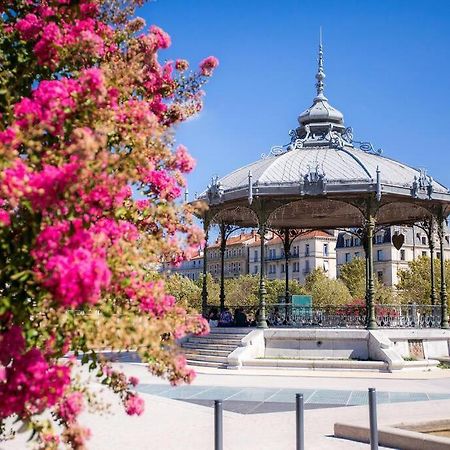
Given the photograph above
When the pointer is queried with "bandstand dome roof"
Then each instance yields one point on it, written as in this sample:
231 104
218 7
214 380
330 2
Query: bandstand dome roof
317 179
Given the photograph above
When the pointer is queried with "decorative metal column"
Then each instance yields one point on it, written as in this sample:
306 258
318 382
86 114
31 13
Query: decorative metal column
223 247
261 319
431 245
443 292
370 293
287 257
205 261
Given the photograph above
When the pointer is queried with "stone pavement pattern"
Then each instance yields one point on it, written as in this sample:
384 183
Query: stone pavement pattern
177 425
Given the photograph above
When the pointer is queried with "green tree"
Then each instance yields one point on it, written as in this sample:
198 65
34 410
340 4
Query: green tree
186 292
326 291
353 275
415 282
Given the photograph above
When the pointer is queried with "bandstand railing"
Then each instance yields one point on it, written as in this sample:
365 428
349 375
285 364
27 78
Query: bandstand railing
353 316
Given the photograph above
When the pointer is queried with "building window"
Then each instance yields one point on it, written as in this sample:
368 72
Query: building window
357 242
424 240
296 267
255 255
347 257
296 250
282 268
307 250
255 270
347 242
380 276
438 255
379 255
379 239
307 269
402 255
326 266
424 253
356 254
325 249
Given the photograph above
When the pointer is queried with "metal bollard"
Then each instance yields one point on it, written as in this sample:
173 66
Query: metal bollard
218 425
373 419
300 422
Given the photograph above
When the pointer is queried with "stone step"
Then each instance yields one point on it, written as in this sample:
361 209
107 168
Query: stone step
227 333
224 337
194 362
207 358
207 351
214 341
205 345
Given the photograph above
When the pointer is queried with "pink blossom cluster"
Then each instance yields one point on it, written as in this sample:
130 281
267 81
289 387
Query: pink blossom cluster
161 184
208 65
134 405
30 383
54 31
71 264
71 406
54 101
150 296
184 161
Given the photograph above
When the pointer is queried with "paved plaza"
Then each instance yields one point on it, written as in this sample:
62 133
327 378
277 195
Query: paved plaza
259 409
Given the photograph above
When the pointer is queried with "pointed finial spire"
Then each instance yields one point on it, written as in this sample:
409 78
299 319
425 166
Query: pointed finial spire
320 75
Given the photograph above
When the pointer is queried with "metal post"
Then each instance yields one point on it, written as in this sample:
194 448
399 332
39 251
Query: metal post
205 261
443 292
370 294
300 422
373 419
223 247
432 278
218 425
287 251
262 322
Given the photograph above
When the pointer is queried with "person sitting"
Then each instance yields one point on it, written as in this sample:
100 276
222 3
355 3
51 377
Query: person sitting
225 318
213 318
240 318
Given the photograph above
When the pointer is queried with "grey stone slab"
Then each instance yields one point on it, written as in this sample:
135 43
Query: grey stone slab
217 393
330 397
254 394
184 392
358 398
288 395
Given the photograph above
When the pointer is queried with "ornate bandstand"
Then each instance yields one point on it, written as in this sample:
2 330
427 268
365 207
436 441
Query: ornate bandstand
325 179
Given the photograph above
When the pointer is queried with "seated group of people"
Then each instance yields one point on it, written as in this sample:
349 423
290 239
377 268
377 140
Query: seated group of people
226 319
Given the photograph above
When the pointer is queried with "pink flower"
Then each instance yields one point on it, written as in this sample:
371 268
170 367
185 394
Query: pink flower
208 65
134 405
134 381
31 382
181 65
29 26
162 184
161 37
71 406
184 161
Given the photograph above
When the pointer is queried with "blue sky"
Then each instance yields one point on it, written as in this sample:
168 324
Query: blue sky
386 61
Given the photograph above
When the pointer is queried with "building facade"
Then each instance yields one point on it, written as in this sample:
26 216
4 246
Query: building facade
192 269
309 251
388 260
236 255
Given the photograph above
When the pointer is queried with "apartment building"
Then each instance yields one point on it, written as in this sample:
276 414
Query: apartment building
192 269
309 251
388 261
235 258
